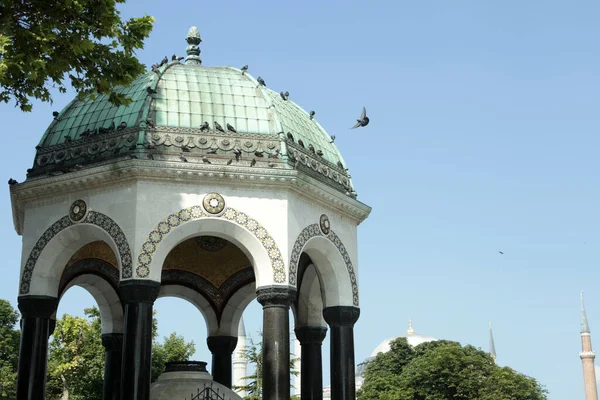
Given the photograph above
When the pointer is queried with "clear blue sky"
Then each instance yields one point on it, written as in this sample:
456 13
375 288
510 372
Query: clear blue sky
483 137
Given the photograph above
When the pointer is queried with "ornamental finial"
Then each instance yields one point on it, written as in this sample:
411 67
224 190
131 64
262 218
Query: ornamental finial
410 330
193 51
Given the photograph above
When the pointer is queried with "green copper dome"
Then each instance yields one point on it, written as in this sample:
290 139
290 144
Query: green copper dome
179 98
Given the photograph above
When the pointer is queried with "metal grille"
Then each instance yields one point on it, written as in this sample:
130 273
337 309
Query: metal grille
208 393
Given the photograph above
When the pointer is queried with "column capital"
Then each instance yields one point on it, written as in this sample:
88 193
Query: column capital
341 315
221 344
311 334
273 296
139 291
112 341
37 306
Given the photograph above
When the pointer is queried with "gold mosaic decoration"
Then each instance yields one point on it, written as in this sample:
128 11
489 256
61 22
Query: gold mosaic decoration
213 203
195 212
77 210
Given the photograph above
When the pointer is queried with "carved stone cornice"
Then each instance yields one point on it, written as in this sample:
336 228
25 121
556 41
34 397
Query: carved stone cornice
104 175
37 306
139 291
274 296
341 315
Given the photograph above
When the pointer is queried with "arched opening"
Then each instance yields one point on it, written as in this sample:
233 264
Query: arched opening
90 320
49 259
217 277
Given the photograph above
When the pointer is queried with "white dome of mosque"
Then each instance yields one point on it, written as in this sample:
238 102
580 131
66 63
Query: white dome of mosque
412 338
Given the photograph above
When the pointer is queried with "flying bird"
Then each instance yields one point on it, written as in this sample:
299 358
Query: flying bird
500 252
261 81
205 126
244 69
231 128
363 121
219 127
312 114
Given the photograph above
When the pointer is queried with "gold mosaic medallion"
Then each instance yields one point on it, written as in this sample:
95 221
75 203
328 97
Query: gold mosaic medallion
77 210
214 203
324 223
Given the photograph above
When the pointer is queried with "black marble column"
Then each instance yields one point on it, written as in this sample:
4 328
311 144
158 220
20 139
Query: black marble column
136 366
341 320
221 348
52 326
276 341
311 362
113 346
35 330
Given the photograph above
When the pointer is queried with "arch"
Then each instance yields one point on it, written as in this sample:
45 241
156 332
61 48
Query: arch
58 243
233 310
107 299
233 225
195 298
310 300
312 232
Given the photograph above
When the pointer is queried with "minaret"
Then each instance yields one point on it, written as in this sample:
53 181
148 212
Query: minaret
240 363
410 330
492 345
587 358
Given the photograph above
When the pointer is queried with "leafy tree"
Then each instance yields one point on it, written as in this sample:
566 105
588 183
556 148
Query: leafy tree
443 370
76 360
254 383
9 350
42 42
173 348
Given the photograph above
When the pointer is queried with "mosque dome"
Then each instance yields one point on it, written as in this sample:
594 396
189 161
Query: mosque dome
185 106
412 338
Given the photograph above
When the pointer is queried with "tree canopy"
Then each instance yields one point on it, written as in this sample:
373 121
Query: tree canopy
44 42
76 359
443 370
9 350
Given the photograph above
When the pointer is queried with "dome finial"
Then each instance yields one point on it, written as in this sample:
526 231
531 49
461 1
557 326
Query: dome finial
193 51
410 330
